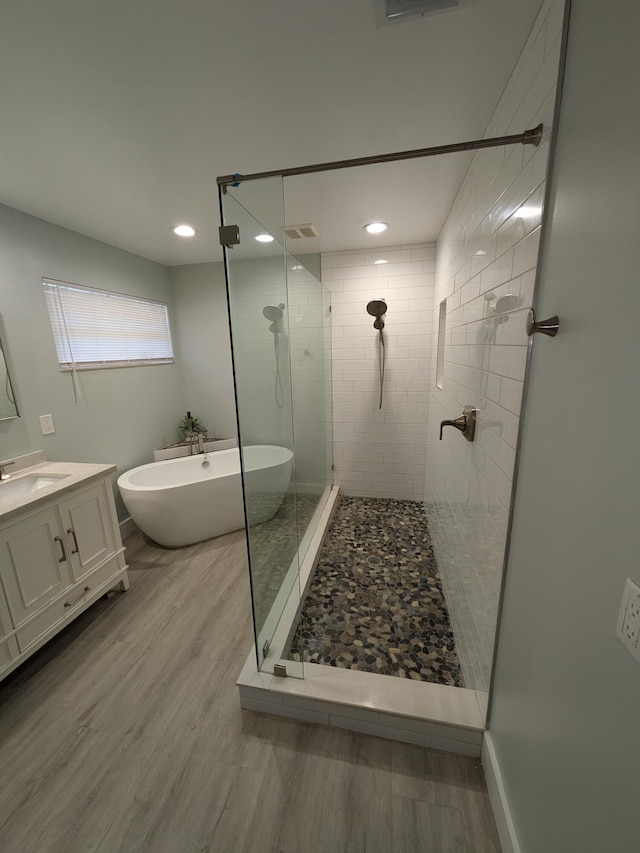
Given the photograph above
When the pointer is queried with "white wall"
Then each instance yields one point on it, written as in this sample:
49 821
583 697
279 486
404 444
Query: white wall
201 334
487 250
380 452
564 721
123 413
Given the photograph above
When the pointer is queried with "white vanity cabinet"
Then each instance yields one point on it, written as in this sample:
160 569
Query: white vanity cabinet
8 643
56 558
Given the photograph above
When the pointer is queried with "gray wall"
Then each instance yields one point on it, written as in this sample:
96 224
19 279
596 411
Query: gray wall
123 413
564 722
201 333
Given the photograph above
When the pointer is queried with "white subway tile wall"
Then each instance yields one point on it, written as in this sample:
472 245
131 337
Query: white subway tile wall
381 452
486 258
308 322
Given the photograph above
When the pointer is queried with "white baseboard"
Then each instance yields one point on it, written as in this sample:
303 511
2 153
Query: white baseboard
497 795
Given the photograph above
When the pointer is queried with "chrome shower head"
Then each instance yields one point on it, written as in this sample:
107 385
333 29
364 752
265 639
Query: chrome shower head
273 312
377 308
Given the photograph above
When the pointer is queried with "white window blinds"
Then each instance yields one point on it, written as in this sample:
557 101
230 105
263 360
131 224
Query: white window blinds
97 328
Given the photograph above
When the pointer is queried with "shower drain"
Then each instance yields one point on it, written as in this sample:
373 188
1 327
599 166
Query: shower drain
374 561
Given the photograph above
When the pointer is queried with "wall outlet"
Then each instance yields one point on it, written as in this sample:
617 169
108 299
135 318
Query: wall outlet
46 424
628 629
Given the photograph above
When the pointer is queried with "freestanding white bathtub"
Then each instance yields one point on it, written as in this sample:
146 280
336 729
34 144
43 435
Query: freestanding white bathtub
182 501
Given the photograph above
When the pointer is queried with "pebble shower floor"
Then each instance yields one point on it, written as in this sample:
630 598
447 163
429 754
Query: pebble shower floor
375 602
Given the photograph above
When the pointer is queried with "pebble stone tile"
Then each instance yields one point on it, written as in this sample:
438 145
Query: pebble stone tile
375 602
274 544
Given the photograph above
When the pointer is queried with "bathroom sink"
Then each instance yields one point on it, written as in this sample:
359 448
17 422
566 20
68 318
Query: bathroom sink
12 490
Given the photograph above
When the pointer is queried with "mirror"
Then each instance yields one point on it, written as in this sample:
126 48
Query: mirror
8 405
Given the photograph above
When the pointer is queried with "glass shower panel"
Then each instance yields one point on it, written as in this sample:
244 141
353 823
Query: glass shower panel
260 332
310 348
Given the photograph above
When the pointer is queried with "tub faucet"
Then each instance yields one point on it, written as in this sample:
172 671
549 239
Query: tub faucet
196 443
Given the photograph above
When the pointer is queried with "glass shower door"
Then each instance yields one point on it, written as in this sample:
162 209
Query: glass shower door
256 271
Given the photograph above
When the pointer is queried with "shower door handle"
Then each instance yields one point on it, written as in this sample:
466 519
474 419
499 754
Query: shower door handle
547 327
466 423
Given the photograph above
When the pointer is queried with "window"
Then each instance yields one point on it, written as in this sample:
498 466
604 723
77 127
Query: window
96 328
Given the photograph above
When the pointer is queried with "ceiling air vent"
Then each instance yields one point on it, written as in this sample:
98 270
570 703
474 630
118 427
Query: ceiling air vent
297 232
394 9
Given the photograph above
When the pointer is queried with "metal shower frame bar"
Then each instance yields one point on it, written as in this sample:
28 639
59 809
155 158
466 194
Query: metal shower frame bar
532 136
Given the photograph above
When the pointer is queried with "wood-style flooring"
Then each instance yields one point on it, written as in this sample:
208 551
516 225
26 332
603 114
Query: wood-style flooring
124 734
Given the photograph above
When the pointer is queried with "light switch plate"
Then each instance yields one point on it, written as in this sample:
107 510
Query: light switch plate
46 424
628 628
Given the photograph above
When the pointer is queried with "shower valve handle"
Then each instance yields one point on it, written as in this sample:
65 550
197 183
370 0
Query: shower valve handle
466 423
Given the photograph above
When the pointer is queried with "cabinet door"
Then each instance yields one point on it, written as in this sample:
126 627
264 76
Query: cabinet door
33 563
8 651
87 523
6 626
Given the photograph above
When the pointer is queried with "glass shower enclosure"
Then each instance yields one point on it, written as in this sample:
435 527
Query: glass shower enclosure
279 314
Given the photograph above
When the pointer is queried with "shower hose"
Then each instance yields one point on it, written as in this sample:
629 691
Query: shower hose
381 360
278 386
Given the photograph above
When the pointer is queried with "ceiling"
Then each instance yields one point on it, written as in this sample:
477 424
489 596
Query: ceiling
118 116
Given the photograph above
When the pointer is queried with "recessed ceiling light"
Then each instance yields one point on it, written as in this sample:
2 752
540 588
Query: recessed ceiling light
381 261
184 230
264 238
376 227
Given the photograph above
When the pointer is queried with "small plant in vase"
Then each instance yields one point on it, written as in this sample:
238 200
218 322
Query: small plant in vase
189 426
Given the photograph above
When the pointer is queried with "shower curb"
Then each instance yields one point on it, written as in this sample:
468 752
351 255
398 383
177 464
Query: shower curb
435 716
421 713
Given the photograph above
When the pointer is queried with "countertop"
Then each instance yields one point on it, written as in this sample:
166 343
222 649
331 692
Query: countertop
72 474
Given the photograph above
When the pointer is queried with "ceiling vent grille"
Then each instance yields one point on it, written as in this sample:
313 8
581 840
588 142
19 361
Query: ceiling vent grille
298 232
395 9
